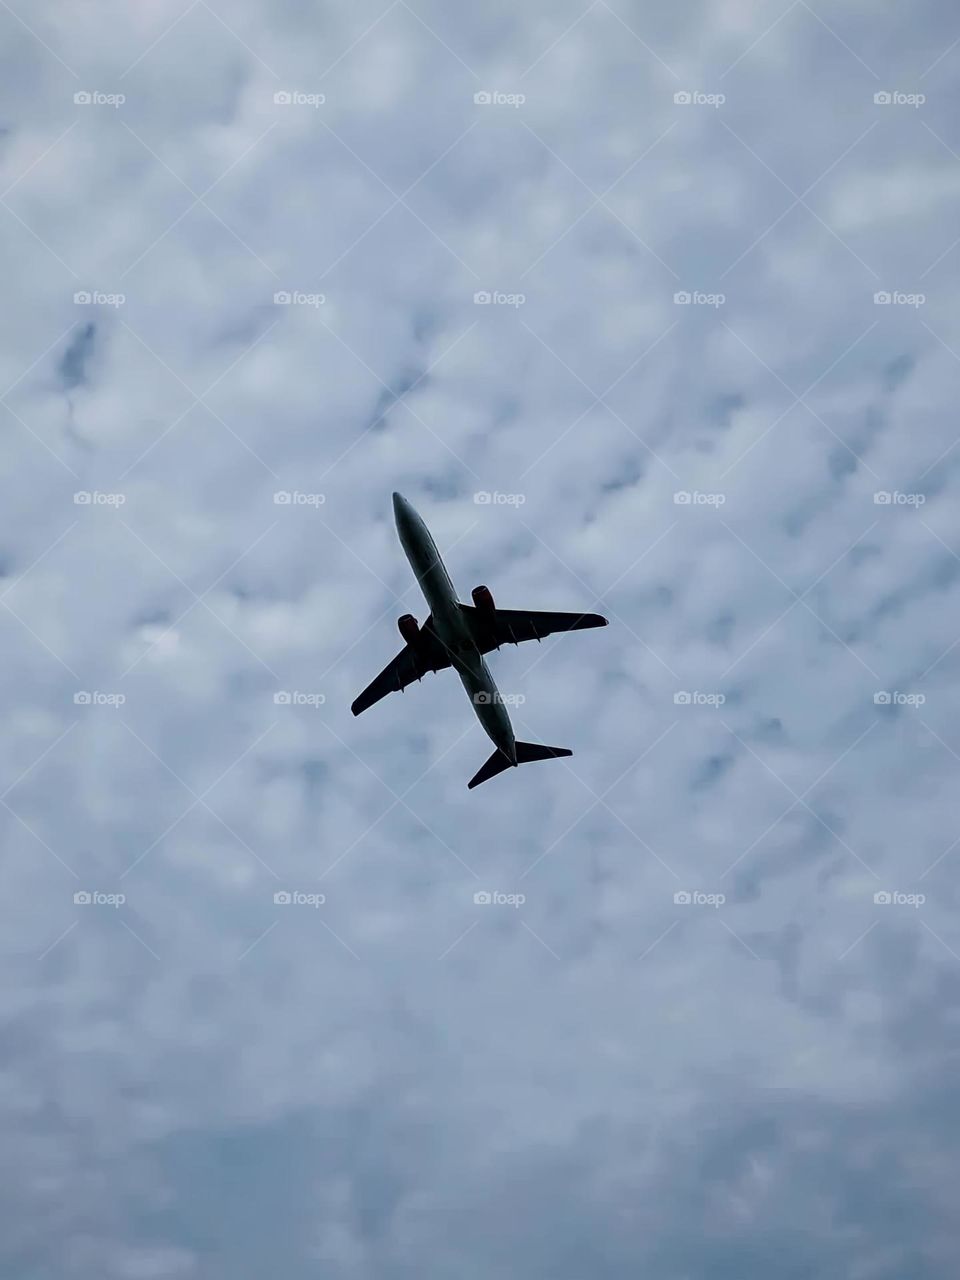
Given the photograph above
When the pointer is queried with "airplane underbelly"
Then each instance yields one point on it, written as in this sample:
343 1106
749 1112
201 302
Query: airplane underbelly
487 702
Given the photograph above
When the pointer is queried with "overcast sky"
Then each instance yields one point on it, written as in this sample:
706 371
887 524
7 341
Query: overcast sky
648 309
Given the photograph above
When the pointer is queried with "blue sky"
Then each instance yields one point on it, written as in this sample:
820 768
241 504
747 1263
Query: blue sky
713 395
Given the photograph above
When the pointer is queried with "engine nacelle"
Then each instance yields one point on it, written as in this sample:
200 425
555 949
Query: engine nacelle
483 600
409 628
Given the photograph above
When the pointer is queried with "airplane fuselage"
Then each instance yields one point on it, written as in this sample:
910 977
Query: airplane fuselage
451 627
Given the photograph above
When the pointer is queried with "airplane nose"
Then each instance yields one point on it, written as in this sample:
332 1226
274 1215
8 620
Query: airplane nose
403 514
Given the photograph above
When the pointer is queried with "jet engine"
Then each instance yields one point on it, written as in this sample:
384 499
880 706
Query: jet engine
483 600
409 628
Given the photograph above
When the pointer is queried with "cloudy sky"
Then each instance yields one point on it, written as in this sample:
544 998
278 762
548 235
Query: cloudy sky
673 286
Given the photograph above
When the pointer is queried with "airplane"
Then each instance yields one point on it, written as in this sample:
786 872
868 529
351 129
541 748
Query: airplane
459 635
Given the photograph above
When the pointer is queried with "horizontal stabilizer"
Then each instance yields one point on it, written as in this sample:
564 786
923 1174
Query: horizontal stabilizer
527 752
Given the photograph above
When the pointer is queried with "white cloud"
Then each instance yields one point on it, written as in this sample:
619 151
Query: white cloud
201 1082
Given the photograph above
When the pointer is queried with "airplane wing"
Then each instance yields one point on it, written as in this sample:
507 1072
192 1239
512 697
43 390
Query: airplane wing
410 664
512 626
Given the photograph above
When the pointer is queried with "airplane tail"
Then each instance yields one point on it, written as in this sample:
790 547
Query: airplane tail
526 753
